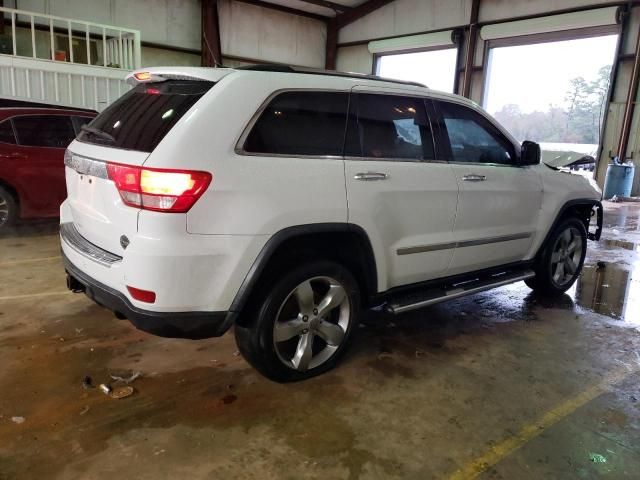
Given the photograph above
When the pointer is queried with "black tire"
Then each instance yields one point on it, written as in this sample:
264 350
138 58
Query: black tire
256 337
8 209
550 266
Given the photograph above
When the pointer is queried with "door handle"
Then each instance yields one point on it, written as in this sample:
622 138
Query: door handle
474 178
370 176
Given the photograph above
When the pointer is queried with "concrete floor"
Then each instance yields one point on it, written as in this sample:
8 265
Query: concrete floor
501 385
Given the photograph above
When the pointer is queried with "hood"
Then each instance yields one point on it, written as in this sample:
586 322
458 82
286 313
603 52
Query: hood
560 155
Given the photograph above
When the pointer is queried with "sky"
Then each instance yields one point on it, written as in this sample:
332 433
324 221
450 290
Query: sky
435 69
531 76
535 76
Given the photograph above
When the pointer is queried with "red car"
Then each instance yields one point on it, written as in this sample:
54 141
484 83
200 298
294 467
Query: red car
32 144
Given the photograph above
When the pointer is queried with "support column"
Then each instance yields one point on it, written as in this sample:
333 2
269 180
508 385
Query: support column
332 45
211 49
472 37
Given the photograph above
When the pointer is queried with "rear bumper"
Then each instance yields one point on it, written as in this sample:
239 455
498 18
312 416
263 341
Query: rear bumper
192 325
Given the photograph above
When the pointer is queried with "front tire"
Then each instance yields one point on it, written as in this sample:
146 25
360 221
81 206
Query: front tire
560 263
303 324
8 209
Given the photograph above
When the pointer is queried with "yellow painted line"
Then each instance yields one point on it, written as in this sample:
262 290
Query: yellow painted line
498 452
34 295
29 260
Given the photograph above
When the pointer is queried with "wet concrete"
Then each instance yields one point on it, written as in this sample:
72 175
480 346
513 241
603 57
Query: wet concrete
500 385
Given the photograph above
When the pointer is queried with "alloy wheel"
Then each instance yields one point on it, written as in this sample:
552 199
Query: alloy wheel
566 256
4 210
311 323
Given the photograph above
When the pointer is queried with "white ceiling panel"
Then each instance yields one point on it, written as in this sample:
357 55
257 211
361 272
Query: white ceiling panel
315 9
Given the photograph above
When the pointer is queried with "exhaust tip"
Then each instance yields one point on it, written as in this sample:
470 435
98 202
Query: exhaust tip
74 285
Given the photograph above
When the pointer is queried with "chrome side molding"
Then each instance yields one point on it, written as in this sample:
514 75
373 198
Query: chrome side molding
465 243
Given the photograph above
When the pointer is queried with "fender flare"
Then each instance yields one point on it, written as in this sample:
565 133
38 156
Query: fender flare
257 268
572 203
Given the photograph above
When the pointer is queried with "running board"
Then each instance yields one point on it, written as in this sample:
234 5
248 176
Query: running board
436 295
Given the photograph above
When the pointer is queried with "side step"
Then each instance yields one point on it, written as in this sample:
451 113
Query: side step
424 298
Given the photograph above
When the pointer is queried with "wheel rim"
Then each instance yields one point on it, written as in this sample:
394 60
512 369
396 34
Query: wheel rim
4 210
566 256
311 323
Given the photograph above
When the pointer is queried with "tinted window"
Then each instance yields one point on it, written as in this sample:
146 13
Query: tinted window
44 130
6 132
141 118
79 121
301 123
473 138
389 126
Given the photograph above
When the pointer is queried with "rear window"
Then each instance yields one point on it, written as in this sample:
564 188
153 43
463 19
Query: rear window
141 118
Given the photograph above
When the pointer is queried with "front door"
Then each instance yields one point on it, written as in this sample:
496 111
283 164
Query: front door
499 201
398 189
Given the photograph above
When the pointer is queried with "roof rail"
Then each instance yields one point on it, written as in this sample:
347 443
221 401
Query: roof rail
275 67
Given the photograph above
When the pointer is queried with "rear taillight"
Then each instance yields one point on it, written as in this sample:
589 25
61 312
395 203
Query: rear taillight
158 189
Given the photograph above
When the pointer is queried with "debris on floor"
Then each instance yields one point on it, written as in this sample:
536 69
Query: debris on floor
85 409
116 392
597 458
106 389
121 392
17 419
127 380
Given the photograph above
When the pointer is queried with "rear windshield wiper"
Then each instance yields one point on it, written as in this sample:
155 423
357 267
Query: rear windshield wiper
98 133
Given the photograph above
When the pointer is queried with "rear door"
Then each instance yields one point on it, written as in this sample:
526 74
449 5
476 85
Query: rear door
399 189
125 133
41 142
499 201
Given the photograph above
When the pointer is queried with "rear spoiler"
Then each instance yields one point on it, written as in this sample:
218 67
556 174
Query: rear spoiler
161 74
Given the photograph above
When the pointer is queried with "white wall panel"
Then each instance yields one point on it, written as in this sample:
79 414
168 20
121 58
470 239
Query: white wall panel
158 57
355 59
249 31
175 22
403 17
501 9
555 23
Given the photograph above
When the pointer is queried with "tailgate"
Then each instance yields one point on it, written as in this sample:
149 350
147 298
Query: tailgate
96 207
125 133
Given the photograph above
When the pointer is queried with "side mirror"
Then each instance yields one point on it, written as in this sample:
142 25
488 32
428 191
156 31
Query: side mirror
530 153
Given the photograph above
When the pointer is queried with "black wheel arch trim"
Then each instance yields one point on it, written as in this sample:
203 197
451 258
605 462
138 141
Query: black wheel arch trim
276 240
573 203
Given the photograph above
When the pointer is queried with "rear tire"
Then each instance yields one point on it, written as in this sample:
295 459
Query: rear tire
8 209
560 263
303 324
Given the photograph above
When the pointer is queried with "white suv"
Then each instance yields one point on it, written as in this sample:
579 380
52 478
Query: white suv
284 201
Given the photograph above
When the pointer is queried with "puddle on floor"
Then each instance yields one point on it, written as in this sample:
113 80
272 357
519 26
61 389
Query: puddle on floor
624 218
609 290
610 244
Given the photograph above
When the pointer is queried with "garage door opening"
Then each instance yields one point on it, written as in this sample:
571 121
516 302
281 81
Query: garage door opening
554 93
434 68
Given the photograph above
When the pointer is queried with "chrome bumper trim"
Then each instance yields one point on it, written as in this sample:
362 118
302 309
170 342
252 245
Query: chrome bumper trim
72 237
